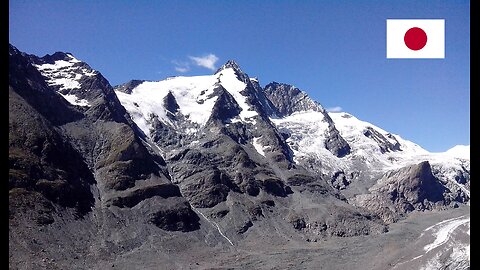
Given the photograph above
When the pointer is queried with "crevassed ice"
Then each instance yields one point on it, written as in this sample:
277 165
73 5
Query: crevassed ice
307 132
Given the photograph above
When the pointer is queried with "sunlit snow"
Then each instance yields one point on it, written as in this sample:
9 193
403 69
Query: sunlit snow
460 151
229 81
75 101
65 73
191 95
444 233
194 96
258 146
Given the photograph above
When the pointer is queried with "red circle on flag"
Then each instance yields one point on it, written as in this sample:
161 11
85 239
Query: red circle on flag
415 38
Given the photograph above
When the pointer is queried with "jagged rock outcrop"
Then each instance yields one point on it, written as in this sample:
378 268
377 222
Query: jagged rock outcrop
384 144
402 191
288 99
128 87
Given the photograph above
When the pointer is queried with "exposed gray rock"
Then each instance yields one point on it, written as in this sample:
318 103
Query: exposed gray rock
225 107
334 142
384 144
82 158
340 180
128 86
288 99
170 105
179 217
402 191
130 198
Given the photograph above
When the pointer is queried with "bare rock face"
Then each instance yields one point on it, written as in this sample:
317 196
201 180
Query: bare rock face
405 190
177 216
288 99
334 142
128 87
383 143
89 158
41 159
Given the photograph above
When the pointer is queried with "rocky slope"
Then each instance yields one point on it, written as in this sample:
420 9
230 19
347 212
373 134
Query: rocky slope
99 174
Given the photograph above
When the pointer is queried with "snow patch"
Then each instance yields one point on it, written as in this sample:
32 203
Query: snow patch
230 82
258 146
59 64
215 224
74 100
73 59
65 74
65 83
444 233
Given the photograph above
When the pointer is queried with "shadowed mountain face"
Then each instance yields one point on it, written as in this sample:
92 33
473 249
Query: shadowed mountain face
196 164
80 157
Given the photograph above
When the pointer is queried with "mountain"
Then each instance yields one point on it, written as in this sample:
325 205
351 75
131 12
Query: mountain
460 151
166 172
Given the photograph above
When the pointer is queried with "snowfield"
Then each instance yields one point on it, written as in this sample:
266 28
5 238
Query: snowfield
194 96
307 135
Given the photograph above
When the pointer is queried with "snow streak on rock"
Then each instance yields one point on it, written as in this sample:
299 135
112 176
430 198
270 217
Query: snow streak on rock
215 224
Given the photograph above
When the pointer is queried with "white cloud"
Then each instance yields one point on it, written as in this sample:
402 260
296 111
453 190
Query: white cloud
180 66
182 69
334 109
207 61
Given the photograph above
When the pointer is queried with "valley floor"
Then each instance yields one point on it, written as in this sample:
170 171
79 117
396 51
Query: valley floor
427 240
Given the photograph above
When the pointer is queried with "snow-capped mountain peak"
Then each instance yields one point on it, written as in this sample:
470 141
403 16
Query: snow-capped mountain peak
459 151
231 64
65 73
364 133
228 78
195 97
328 142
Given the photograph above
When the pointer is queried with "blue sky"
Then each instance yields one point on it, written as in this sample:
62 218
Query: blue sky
333 50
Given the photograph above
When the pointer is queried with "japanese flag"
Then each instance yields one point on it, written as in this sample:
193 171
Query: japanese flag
421 38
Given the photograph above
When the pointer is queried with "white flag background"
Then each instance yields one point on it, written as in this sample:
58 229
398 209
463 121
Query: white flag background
434 28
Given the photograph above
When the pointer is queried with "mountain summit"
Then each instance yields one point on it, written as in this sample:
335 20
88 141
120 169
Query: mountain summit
230 64
168 172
